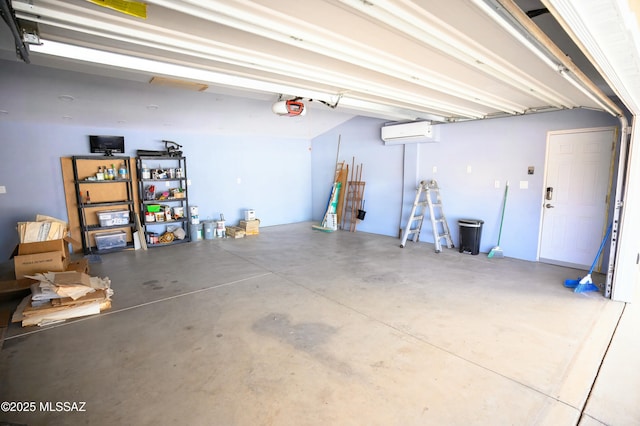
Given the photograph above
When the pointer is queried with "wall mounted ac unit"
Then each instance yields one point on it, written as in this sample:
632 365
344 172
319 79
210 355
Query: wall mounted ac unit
414 132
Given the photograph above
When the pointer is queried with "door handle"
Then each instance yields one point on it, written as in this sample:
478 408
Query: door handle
549 206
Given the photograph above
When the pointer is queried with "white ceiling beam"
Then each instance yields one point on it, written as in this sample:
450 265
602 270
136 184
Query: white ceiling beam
265 22
138 33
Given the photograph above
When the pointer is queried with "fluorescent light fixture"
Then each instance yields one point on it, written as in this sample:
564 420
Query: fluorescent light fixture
84 54
266 22
269 23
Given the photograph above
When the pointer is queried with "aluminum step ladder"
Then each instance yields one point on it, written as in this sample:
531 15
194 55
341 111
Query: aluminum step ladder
428 196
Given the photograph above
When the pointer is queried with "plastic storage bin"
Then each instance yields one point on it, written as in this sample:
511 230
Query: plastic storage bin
470 234
113 217
111 240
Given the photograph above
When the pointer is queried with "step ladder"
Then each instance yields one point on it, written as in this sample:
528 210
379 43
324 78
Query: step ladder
432 200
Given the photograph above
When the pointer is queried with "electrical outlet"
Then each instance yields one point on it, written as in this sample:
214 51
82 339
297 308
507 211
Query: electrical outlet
238 181
524 184
468 169
496 184
435 169
167 184
188 182
3 189
530 170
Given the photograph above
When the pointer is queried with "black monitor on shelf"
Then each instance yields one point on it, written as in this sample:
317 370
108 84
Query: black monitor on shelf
107 145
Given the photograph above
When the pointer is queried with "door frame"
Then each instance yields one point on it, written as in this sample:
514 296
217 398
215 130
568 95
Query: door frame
611 188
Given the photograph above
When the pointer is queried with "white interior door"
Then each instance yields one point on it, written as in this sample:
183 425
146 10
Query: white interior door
575 203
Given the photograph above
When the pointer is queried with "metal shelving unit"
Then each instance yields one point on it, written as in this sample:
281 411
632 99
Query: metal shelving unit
105 188
170 181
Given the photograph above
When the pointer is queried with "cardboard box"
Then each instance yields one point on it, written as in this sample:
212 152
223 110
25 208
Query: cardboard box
251 227
29 264
45 246
41 256
234 232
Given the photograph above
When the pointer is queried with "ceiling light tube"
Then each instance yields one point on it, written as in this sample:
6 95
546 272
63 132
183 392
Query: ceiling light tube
321 41
84 54
178 43
146 65
169 40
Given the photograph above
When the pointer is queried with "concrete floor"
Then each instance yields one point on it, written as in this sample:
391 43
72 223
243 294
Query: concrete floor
301 327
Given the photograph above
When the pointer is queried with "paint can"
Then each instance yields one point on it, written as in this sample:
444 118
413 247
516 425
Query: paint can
153 238
209 230
249 215
195 219
221 230
196 232
146 172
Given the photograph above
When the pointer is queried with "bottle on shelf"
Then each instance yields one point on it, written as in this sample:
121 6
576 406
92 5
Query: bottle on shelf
100 174
110 173
87 199
123 172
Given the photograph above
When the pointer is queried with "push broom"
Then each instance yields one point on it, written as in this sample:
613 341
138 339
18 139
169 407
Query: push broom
497 251
586 283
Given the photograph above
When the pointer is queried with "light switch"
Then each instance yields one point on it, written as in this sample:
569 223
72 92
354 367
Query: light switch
524 184
496 184
468 169
3 189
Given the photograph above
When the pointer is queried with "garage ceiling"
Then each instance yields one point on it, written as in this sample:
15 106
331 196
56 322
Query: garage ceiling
396 59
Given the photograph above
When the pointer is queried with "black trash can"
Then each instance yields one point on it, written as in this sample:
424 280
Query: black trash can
470 233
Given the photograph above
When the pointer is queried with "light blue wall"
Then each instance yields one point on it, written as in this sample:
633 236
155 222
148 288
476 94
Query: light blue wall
274 173
499 149
289 180
496 149
382 170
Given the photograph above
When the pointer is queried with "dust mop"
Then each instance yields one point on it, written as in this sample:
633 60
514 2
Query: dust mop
586 283
497 251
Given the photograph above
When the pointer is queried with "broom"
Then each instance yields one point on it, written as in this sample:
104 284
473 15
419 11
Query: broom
586 283
497 251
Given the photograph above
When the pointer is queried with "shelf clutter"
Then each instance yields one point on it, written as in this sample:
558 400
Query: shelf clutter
163 198
104 205
212 229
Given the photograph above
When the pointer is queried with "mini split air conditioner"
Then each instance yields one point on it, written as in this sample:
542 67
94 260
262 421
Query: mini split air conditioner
414 132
